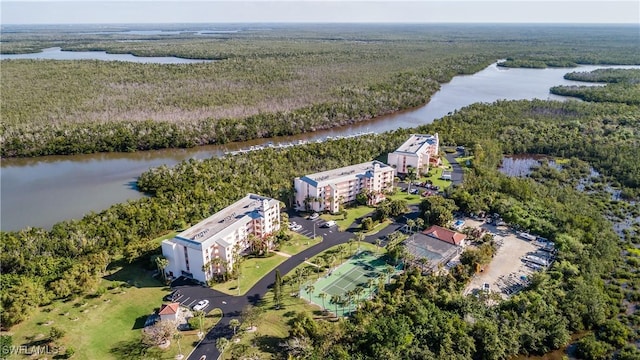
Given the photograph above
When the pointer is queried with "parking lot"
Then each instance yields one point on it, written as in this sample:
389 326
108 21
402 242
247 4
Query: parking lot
191 293
308 227
509 270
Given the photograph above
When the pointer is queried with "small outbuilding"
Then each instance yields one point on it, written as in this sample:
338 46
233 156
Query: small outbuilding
446 235
169 311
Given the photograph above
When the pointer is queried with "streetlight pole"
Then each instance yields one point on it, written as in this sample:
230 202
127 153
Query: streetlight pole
314 230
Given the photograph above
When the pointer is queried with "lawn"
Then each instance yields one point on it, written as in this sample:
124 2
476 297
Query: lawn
253 269
95 326
411 199
298 243
379 227
352 214
272 328
463 161
160 239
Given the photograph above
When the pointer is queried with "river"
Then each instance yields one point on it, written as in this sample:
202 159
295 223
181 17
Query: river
41 191
56 53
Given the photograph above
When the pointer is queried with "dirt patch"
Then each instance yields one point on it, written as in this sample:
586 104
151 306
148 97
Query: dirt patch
507 273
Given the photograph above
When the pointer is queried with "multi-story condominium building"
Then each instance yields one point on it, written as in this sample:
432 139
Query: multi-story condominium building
220 236
418 152
325 191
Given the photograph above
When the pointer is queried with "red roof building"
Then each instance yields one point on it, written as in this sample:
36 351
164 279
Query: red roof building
446 235
169 311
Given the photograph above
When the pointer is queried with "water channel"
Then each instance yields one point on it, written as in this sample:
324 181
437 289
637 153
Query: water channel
41 191
56 53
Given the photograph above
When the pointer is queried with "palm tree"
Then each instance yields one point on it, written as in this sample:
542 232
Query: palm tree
378 245
320 262
411 175
199 314
298 275
222 344
234 323
309 289
360 237
335 300
323 295
358 291
419 223
389 270
162 264
332 260
177 337
370 283
411 223
350 242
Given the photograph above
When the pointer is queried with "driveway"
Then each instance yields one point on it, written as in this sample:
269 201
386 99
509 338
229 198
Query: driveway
457 172
232 306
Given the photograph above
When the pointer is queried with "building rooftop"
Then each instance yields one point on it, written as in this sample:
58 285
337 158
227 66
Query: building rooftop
423 246
246 208
446 235
417 142
169 309
335 175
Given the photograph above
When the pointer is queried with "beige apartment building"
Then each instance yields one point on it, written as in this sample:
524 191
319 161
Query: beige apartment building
325 191
219 236
419 151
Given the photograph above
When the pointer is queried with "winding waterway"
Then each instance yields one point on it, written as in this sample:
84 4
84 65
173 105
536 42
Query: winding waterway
41 191
56 53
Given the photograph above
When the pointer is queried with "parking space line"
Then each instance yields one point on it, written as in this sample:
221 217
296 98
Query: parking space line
185 300
193 302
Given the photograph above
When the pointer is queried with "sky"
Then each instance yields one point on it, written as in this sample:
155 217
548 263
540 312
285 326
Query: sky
318 11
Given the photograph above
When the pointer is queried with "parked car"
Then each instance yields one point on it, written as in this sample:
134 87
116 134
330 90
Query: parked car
292 225
486 287
414 191
296 228
329 224
173 296
314 216
201 305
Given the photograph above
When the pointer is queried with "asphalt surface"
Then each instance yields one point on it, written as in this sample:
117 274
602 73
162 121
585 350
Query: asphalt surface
457 172
232 306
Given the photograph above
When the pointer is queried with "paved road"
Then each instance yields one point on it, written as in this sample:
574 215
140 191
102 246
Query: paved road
457 172
231 306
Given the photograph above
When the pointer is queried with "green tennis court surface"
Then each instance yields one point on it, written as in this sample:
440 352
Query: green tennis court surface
355 280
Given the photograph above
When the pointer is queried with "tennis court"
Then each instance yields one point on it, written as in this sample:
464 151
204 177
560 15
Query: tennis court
358 276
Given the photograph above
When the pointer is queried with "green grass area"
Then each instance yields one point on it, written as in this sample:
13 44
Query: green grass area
272 327
462 160
352 214
379 227
253 269
298 243
190 337
96 325
436 173
160 239
411 199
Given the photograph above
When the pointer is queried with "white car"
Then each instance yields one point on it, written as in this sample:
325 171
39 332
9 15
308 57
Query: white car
201 305
296 228
292 225
314 216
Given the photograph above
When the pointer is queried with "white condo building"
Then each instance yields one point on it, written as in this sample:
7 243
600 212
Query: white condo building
419 151
325 191
216 237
